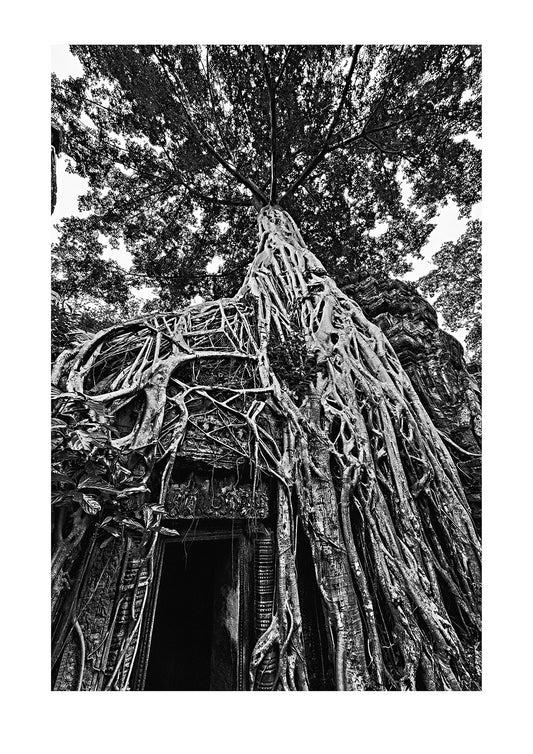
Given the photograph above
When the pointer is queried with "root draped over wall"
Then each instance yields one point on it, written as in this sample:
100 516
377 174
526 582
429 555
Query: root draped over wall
349 450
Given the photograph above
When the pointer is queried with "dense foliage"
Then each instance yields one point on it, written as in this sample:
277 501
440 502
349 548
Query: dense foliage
184 149
181 145
456 283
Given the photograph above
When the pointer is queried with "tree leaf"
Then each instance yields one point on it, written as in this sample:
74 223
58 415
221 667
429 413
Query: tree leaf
94 483
90 504
169 532
134 524
61 478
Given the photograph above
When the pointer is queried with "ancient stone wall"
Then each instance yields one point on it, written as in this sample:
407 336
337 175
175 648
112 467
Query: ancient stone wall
434 361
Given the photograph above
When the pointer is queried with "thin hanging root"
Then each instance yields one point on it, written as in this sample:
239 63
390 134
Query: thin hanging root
264 644
357 459
81 637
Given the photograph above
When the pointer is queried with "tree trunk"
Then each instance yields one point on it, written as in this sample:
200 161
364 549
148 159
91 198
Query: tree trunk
326 413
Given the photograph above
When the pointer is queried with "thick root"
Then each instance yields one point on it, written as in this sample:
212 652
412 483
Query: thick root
352 453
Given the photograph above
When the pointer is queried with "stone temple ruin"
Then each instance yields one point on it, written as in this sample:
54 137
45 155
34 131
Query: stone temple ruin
270 535
218 562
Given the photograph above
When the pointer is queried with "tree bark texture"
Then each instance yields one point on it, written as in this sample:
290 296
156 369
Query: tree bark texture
348 448
435 364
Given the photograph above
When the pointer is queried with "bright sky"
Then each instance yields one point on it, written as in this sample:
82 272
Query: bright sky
449 227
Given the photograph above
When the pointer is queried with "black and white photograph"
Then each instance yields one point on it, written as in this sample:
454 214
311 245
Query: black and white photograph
266 341
262 289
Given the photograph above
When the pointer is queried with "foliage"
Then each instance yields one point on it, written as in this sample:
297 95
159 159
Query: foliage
62 334
292 364
456 283
89 472
181 144
72 326
181 147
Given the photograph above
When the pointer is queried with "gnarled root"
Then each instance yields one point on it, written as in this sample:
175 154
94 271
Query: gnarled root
352 453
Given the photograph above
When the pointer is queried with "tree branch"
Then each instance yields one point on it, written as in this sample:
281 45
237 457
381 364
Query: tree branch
87 99
213 108
228 201
380 147
345 90
326 145
283 66
214 199
231 169
273 124
420 112
386 87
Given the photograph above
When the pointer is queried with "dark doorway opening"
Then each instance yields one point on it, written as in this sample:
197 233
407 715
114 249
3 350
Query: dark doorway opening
193 644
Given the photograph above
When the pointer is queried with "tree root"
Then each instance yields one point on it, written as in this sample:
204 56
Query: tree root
357 459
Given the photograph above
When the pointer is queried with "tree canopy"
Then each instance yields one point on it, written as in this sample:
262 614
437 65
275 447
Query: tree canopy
279 387
456 283
182 144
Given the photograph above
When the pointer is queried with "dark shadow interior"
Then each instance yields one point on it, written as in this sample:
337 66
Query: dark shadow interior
192 647
319 664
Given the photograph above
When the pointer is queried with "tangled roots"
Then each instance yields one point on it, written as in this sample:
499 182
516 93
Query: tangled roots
345 443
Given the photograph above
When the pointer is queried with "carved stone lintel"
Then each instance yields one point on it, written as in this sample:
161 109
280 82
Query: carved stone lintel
205 497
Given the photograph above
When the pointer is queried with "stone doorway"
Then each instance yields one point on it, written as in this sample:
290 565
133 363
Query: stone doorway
198 627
